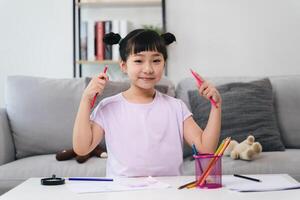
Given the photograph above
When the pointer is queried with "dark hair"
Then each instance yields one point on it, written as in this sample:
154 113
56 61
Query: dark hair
140 40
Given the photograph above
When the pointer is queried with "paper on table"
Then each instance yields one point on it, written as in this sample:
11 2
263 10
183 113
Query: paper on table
119 184
269 182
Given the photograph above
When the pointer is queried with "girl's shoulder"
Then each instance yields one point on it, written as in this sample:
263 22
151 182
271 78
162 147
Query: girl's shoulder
170 99
177 105
111 100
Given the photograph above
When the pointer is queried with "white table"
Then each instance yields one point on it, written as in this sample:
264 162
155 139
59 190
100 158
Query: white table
31 189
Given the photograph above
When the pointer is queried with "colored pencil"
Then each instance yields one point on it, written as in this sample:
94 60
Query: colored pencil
246 177
196 159
195 152
90 179
95 97
187 184
199 82
220 147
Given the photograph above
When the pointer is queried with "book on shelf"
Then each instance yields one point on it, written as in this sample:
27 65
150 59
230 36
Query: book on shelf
115 48
91 41
107 48
99 44
84 40
123 28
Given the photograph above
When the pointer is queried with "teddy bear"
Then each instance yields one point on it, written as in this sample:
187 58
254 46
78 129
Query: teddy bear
246 150
67 154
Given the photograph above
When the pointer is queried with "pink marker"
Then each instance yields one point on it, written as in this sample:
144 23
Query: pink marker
95 97
199 83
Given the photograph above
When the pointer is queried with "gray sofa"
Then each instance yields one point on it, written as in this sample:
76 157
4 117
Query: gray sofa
38 119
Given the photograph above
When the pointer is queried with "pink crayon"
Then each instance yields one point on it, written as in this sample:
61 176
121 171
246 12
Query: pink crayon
199 83
95 97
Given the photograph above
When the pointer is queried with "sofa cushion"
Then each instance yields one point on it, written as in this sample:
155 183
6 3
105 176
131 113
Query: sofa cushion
42 112
247 108
287 98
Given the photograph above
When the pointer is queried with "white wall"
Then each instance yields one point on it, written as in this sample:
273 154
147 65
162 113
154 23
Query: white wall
35 39
234 37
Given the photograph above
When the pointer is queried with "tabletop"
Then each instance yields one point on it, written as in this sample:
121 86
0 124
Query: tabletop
32 189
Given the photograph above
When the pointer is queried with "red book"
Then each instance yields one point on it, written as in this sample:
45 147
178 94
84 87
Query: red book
99 33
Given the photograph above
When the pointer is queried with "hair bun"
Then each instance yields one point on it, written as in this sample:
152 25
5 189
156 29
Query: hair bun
168 38
111 38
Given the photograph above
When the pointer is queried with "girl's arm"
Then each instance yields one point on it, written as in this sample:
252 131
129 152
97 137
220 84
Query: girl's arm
86 134
206 140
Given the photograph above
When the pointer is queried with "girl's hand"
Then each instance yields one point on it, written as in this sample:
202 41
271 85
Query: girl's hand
96 86
208 90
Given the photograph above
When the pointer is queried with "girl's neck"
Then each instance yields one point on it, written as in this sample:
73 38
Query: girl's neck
139 95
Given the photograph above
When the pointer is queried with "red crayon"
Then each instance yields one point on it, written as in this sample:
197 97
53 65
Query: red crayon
95 97
199 82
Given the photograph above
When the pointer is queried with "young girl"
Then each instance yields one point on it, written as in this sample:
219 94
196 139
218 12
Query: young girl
144 129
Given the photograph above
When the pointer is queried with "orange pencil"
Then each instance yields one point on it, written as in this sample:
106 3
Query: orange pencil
186 185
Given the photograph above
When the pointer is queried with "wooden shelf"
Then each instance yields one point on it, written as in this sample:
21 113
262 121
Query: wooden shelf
93 62
121 3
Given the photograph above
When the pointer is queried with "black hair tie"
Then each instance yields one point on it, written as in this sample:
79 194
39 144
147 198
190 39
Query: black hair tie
111 38
168 38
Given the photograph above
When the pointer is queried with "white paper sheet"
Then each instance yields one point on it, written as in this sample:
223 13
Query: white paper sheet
119 184
269 182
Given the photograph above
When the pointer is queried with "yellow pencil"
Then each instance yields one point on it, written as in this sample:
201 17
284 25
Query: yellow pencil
220 147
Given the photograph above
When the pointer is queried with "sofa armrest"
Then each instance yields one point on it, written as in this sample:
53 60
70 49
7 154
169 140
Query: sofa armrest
7 149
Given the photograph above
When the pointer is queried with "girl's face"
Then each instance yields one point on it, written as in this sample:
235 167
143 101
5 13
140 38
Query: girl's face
144 69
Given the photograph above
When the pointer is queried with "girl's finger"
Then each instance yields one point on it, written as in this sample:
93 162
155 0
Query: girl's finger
101 81
210 93
216 96
207 90
103 76
203 87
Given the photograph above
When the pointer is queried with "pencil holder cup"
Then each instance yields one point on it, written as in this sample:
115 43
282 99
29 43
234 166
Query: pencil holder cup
211 165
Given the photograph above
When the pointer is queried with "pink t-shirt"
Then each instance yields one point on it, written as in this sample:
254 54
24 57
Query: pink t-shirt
142 139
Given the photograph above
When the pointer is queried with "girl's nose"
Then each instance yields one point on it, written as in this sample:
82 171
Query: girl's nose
148 69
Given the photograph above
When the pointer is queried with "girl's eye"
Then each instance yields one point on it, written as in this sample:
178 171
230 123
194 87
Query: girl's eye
137 61
157 60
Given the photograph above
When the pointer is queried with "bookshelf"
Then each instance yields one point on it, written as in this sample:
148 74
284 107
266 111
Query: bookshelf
82 10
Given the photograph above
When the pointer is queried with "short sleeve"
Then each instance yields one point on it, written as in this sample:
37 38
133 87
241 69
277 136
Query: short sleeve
97 115
185 111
